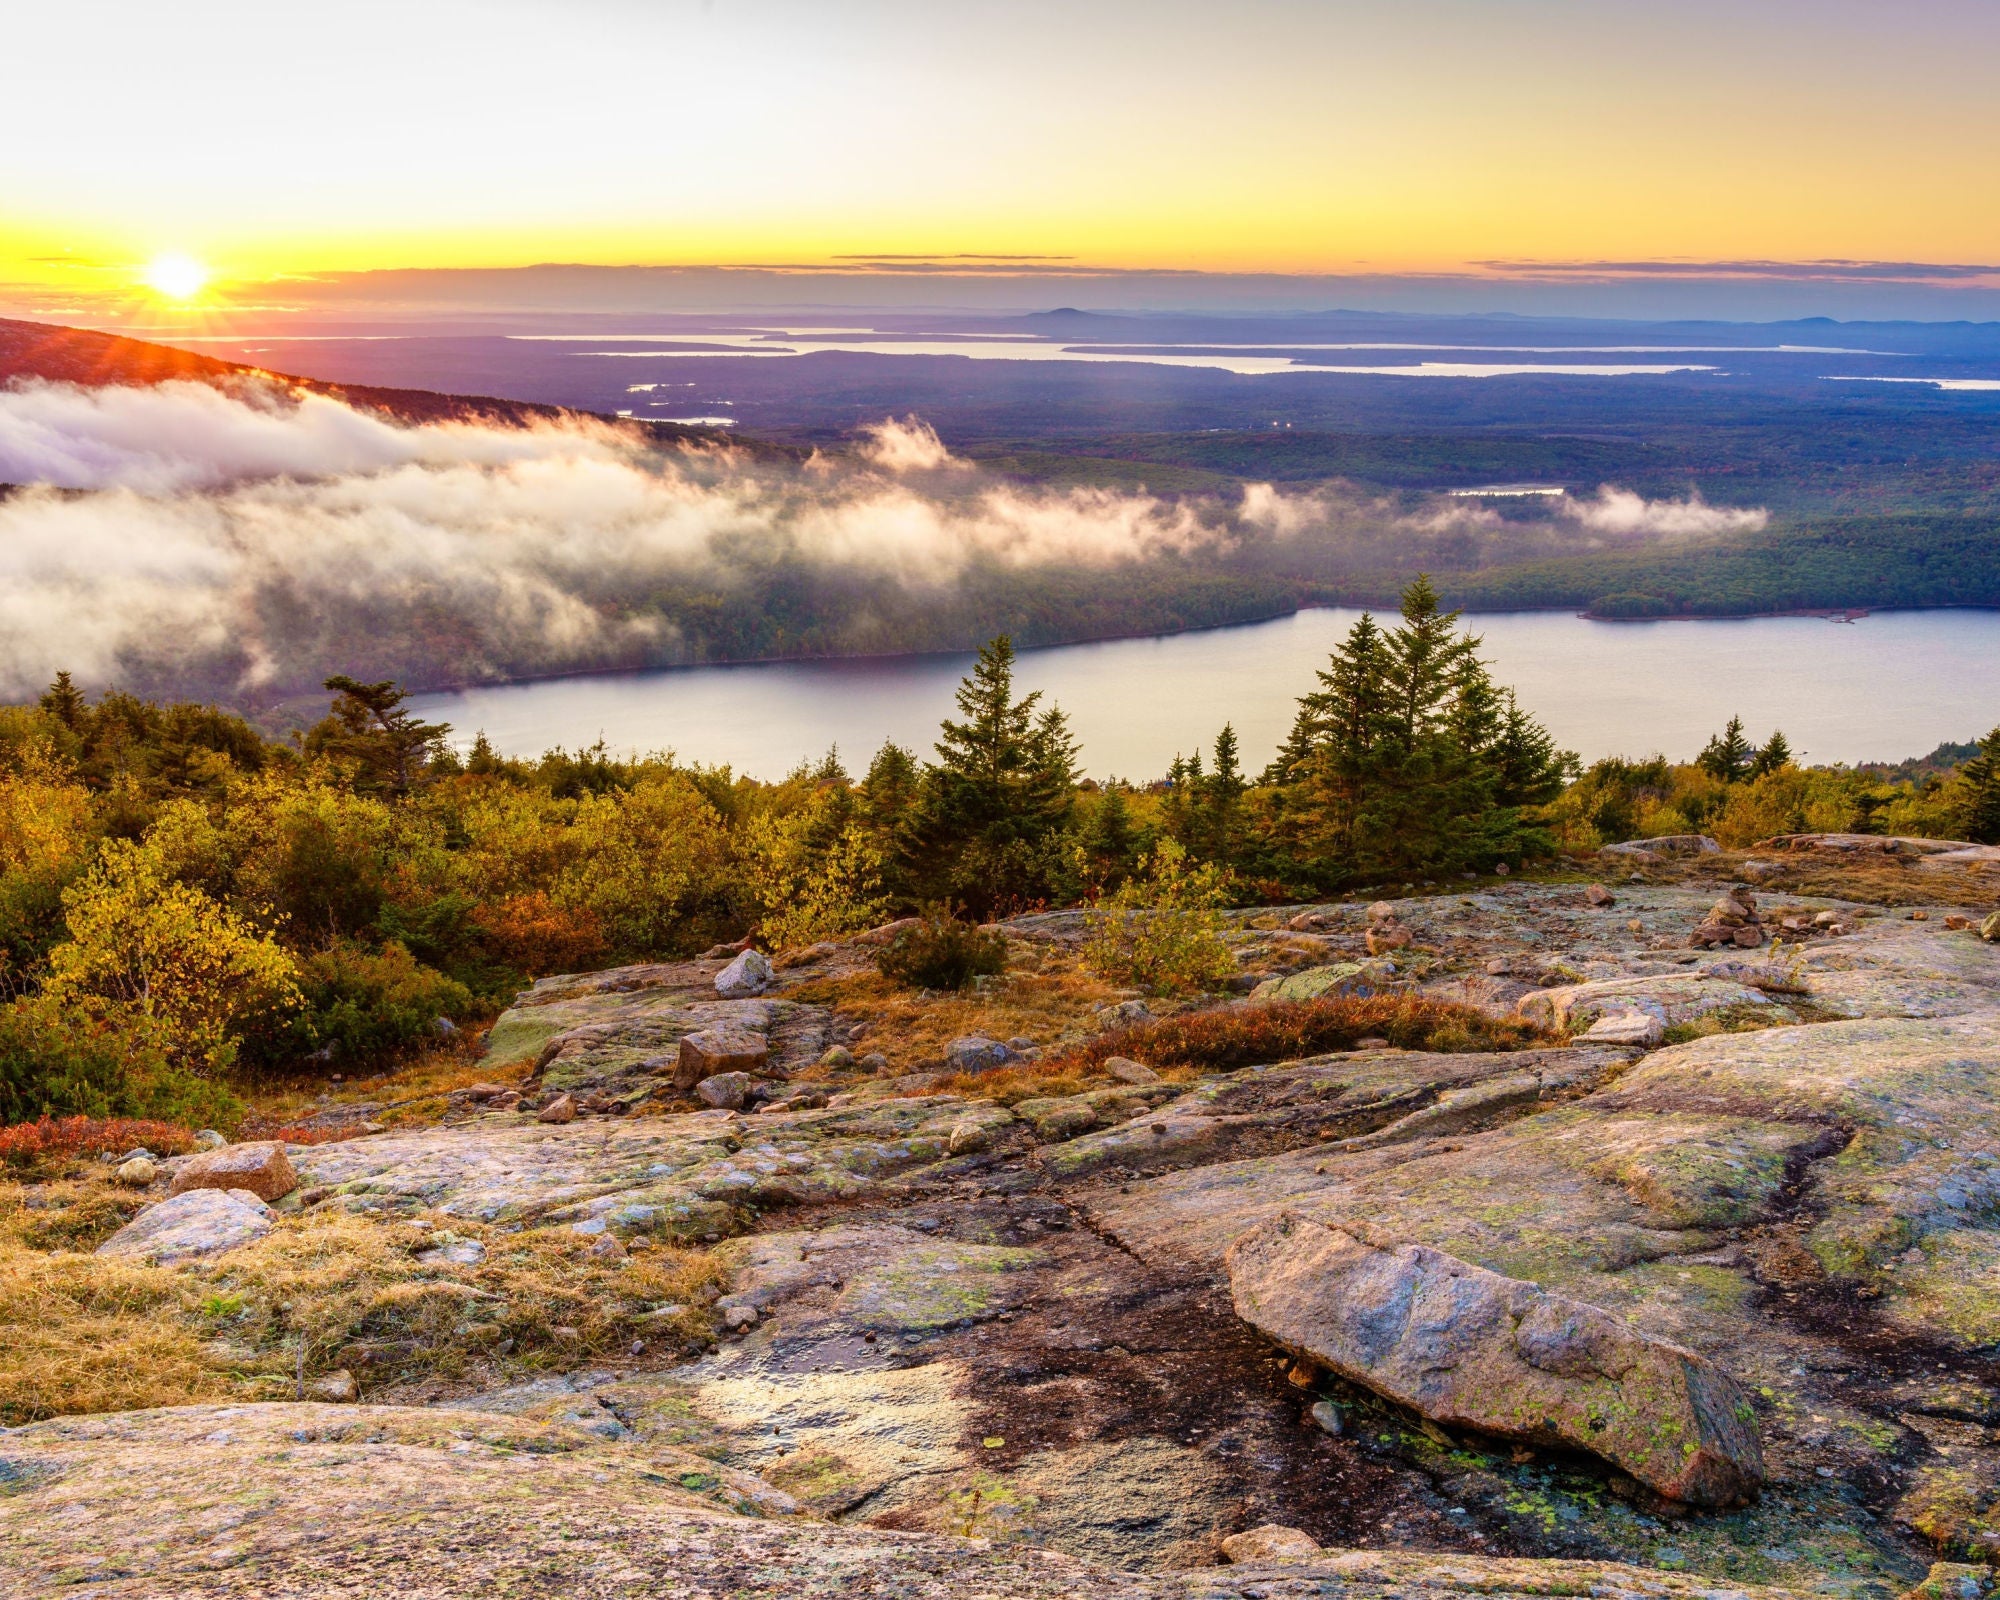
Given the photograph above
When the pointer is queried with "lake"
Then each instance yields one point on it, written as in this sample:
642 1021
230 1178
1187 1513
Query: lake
1887 686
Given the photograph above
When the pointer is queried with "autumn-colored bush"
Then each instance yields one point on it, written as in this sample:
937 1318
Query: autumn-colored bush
533 935
1251 1035
28 1142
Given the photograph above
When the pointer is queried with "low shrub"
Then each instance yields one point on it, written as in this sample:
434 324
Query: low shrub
58 1063
1252 1035
362 1003
1162 928
941 952
533 935
29 1142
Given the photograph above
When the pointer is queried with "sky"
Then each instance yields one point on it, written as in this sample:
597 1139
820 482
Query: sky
1492 139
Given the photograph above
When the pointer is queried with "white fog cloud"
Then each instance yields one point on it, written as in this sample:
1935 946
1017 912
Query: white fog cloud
206 519
1621 512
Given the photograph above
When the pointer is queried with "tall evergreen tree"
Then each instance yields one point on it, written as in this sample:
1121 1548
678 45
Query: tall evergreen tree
370 727
1978 793
64 701
1776 753
1408 759
999 795
1728 755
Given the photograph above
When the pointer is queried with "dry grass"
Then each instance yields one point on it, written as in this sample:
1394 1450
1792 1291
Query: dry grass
80 1332
416 1093
912 1027
1226 1038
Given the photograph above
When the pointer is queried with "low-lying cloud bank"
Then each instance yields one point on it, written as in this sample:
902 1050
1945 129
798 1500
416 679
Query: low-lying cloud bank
241 541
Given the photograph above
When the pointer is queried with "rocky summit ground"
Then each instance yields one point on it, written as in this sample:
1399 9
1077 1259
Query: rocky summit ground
1694 1293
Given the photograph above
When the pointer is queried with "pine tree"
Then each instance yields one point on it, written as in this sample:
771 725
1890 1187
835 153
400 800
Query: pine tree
1110 842
890 788
998 796
1409 759
64 701
1728 755
369 727
1220 827
1978 793
482 760
1777 752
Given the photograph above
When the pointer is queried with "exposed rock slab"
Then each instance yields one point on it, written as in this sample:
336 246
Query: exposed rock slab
684 1175
318 1501
196 1222
1470 1348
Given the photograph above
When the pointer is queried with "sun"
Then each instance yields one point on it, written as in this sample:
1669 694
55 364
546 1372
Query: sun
175 276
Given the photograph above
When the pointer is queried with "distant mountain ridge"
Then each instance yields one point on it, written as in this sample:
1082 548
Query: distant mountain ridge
55 353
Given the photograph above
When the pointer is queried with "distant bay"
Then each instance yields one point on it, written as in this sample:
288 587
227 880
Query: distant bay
1889 685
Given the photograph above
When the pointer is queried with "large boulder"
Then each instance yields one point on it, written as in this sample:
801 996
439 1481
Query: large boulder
710 1052
1669 844
261 1167
195 1222
749 974
1470 1348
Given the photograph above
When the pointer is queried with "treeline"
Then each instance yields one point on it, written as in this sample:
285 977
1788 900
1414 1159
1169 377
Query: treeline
1833 564
184 901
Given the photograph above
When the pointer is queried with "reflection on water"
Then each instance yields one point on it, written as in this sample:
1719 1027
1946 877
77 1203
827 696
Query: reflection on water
1891 685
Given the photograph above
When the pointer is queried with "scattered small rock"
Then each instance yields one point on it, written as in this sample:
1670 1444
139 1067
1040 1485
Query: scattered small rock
336 1387
1599 896
725 1090
968 1137
1326 1416
1956 922
136 1173
708 1052
1126 1070
1272 1542
975 1053
1732 920
1626 1027
837 1058
559 1110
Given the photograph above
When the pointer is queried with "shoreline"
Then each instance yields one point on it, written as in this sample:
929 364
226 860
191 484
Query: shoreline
1837 614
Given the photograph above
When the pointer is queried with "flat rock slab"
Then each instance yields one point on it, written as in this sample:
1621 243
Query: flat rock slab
196 1222
1470 1348
1385 1094
1668 1000
680 1176
628 1041
318 1501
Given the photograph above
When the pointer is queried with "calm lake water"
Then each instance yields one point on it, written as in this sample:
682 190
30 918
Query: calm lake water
1887 686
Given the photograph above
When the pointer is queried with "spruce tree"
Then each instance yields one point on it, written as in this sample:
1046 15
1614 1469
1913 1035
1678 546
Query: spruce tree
64 701
1978 793
1728 755
1776 753
370 727
998 796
